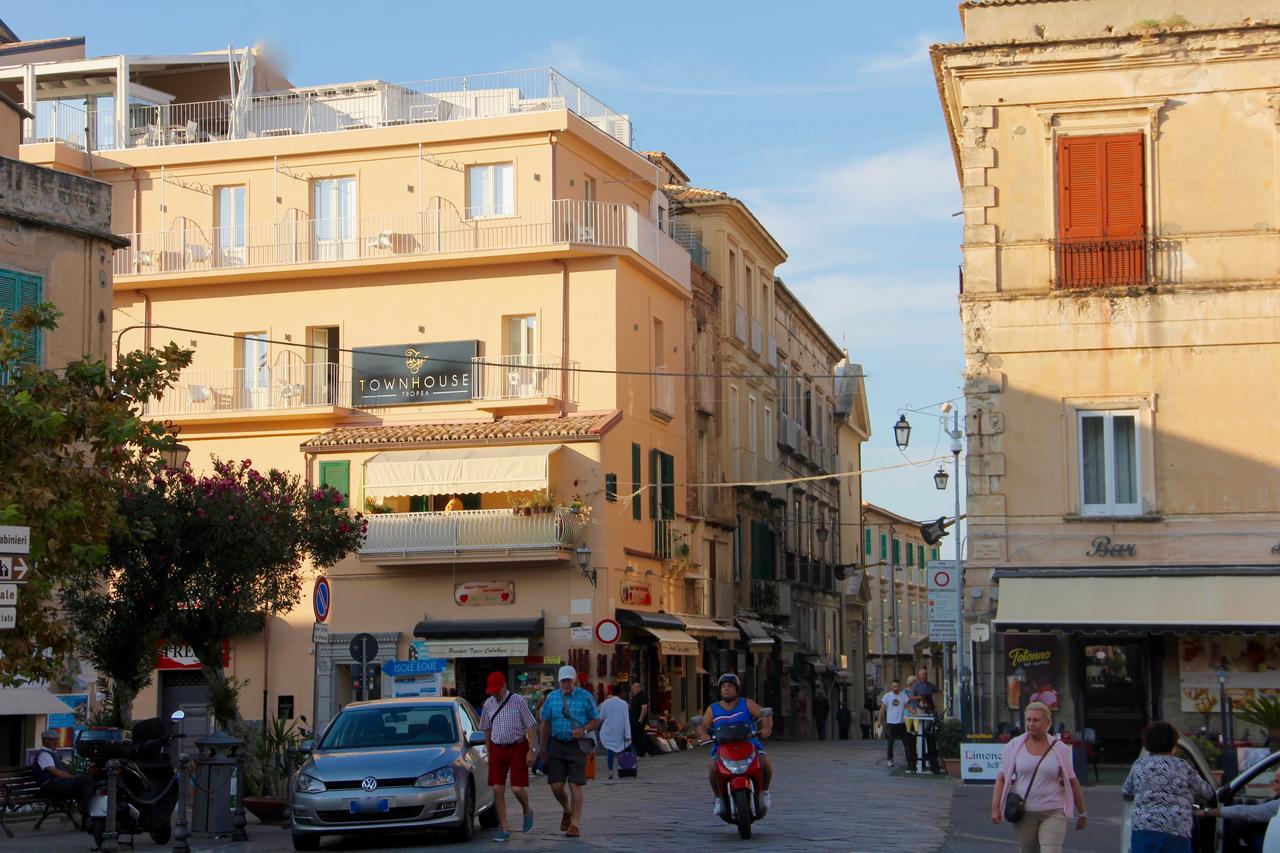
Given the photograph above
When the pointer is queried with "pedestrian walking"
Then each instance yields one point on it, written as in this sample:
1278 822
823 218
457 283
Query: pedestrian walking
864 718
640 719
1164 790
923 704
893 707
568 716
510 731
844 719
615 725
821 713
1040 806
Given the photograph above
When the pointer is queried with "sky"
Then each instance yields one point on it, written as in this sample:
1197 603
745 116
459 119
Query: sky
822 117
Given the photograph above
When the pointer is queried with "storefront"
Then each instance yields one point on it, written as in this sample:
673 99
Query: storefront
661 657
1132 648
716 655
473 648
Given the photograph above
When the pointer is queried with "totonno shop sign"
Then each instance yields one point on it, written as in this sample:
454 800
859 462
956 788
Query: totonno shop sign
412 374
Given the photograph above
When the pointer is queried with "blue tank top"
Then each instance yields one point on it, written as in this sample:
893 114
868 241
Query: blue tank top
739 713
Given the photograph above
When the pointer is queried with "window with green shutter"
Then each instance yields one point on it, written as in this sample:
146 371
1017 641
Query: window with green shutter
866 551
18 291
762 550
338 476
636 507
920 555
884 546
911 555
897 552
935 553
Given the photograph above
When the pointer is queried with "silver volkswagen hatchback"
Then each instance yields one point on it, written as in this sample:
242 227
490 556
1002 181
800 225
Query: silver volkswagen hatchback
393 765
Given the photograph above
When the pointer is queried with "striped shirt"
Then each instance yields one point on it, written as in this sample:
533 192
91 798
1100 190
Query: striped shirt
581 707
510 725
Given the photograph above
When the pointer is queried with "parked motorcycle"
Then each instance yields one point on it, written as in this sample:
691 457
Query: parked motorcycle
741 775
147 789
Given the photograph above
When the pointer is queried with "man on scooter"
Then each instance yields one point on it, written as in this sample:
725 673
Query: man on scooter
733 708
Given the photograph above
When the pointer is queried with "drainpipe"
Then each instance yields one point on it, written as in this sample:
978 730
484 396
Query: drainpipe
266 663
146 319
564 337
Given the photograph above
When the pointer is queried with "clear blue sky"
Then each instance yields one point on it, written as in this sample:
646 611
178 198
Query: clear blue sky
822 117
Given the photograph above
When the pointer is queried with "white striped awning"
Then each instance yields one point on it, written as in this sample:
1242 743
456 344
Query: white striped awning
465 470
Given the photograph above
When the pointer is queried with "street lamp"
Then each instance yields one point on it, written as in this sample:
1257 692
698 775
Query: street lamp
940 479
583 554
174 455
1227 761
902 432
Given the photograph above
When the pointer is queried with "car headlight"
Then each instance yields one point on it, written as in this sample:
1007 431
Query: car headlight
308 784
736 766
434 779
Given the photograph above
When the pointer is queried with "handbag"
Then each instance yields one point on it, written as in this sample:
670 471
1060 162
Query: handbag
1015 804
586 744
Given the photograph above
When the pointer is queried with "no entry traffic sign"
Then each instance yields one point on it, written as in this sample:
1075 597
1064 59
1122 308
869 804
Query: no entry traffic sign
608 631
322 599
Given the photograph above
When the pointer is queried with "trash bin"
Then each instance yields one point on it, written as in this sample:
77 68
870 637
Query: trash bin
215 770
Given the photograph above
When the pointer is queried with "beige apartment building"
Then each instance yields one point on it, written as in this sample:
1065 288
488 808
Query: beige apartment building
897 627
449 299
1120 305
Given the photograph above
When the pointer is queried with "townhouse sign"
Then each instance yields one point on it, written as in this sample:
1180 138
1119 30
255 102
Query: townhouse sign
412 374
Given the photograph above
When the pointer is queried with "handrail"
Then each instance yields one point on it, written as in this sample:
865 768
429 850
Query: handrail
468 530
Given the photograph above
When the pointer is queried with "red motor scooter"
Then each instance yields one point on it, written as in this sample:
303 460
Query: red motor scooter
741 776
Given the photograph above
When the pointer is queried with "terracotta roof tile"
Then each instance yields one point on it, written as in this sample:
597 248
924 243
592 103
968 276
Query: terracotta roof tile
517 428
686 194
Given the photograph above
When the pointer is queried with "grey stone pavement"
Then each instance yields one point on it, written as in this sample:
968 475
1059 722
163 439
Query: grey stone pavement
833 795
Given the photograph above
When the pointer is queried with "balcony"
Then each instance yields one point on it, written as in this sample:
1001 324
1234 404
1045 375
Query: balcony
188 248
671 540
475 531
1101 262
663 389
282 390
325 109
770 597
740 323
517 381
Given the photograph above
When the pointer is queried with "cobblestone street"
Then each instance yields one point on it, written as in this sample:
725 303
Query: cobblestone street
827 796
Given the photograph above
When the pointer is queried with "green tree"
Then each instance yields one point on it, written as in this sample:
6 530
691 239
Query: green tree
225 551
71 440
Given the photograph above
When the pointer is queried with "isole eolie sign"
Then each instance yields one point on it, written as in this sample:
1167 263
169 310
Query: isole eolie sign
412 374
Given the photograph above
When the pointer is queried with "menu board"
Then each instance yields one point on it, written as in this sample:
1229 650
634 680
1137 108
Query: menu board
1253 669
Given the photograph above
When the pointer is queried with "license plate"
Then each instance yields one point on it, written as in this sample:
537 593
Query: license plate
370 805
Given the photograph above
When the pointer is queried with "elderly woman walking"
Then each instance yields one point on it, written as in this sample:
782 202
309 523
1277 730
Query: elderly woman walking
1036 788
1164 790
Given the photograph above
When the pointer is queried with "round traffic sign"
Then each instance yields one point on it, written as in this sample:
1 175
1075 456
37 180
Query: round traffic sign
608 631
942 579
363 648
322 599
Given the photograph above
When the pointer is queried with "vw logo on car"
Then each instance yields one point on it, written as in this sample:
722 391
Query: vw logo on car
369 783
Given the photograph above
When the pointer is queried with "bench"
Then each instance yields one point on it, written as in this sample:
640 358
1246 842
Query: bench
19 788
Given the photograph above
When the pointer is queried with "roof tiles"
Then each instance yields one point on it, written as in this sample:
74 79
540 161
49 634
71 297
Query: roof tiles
514 428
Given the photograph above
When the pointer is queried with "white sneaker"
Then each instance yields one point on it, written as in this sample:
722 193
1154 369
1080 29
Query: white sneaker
765 799
719 809
889 763
610 774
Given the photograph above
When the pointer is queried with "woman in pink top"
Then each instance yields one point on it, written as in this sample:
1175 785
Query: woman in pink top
1048 803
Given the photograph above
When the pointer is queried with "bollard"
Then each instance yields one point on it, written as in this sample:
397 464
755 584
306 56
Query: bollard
180 832
238 819
109 835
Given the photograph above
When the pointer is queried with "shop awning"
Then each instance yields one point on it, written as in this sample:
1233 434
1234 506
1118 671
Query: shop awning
702 626
649 619
23 701
463 470
1203 602
673 642
754 630
431 629
782 635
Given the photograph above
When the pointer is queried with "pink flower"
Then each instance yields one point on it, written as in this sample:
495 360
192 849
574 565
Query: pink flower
199 512
342 528
231 518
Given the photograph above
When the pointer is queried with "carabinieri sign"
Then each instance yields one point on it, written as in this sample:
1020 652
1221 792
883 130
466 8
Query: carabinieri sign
409 374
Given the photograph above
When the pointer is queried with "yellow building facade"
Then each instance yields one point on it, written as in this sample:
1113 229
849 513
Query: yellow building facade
1120 304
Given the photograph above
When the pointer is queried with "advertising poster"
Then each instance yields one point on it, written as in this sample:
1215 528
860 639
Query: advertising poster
1253 669
75 719
1031 670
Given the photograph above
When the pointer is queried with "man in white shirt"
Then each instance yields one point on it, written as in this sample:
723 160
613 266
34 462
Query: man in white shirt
893 705
56 781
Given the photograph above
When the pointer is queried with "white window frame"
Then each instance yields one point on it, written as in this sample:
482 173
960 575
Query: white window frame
751 423
233 204
768 434
336 232
1110 507
735 434
492 207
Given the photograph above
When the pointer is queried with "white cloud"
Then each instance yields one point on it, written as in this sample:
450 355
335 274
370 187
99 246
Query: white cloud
916 53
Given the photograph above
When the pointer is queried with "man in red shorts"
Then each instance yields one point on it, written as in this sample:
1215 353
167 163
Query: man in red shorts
509 730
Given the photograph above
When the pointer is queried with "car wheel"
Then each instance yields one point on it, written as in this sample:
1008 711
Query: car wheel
306 841
489 817
466 830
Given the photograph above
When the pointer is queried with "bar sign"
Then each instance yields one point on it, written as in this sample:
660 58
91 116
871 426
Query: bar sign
8 618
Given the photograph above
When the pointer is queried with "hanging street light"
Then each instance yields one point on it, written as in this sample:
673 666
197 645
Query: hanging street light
583 555
902 432
940 479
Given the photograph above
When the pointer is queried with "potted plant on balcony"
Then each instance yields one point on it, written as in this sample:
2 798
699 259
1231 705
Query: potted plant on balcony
544 501
372 507
519 506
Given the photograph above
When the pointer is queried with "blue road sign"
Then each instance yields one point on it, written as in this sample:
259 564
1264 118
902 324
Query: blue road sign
421 666
322 599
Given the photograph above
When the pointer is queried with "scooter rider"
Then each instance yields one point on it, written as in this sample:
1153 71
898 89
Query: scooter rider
733 708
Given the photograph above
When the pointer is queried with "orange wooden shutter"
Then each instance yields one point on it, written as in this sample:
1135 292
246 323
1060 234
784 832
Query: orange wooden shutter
1101 210
1124 209
1080 184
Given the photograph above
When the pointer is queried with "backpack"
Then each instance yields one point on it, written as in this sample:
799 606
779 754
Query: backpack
628 765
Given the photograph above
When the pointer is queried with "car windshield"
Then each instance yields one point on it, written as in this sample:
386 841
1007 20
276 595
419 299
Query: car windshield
415 725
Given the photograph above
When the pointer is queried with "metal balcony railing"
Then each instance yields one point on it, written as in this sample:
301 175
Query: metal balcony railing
672 540
692 241
664 391
280 387
190 247
495 530
1101 262
517 377
325 109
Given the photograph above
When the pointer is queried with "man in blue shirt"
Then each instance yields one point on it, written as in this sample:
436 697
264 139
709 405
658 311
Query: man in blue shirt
568 715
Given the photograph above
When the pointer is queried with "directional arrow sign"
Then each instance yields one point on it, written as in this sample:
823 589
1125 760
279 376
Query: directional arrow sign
13 568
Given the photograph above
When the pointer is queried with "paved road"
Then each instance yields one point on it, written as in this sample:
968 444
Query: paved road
827 796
